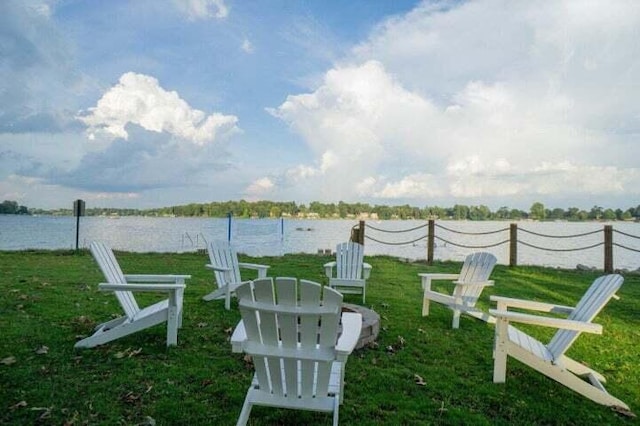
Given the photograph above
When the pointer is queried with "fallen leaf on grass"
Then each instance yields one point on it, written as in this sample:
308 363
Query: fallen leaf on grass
401 341
72 420
202 324
134 353
42 350
228 330
8 360
46 412
82 319
130 397
248 361
148 421
419 380
18 405
121 354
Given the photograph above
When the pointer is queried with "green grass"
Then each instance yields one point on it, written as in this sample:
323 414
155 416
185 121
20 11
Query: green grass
51 298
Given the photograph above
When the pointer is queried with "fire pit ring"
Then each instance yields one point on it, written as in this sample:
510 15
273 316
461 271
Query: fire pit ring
370 323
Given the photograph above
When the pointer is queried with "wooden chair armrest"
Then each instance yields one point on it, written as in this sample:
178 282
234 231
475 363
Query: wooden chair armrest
262 269
426 279
475 283
547 321
505 302
366 270
238 338
150 287
328 268
434 277
351 327
217 268
147 278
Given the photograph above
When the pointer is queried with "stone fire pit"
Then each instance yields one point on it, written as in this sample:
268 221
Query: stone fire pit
370 323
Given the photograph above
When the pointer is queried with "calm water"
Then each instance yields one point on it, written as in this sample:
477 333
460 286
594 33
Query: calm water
275 237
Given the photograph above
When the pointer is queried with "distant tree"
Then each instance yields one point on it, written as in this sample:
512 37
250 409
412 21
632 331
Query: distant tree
12 207
479 213
556 214
537 211
609 214
502 213
596 213
275 212
460 212
516 214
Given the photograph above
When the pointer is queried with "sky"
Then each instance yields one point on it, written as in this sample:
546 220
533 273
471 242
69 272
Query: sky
151 103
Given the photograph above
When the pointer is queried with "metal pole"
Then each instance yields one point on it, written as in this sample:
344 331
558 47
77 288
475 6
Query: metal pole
229 227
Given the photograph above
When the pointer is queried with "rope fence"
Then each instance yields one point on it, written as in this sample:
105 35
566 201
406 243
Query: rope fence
358 234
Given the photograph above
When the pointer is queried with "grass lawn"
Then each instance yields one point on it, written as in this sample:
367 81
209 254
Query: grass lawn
50 298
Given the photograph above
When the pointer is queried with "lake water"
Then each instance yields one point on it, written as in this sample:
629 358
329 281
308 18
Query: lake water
262 237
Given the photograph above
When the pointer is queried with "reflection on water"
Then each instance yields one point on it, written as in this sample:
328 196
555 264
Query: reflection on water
266 237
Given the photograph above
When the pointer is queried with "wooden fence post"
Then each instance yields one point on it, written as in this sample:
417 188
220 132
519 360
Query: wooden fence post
357 233
608 249
513 244
430 241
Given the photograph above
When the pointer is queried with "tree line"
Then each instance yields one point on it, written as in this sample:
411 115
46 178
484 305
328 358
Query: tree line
12 207
342 210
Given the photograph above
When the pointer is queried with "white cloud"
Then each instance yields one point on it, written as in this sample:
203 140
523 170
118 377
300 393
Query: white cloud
203 9
478 99
260 187
247 46
139 99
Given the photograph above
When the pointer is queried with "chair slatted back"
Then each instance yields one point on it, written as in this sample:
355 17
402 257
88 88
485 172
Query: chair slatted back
477 267
349 259
113 274
292 332
593 301
222 254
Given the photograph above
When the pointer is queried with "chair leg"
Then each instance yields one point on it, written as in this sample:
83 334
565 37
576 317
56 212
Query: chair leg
425 306
246 410
500 351
172 326
456 319
336 409
227 298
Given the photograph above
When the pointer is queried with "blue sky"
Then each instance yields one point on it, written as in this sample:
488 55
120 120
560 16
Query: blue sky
147 103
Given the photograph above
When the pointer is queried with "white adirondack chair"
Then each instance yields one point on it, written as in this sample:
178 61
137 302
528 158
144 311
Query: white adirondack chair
352 272
226 270
135 318
550 359
292 335
469 283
